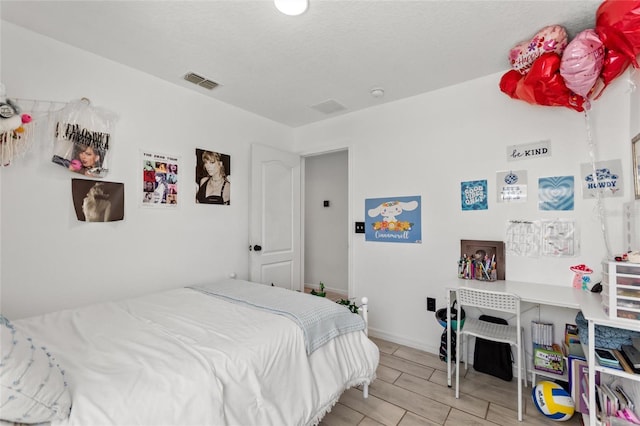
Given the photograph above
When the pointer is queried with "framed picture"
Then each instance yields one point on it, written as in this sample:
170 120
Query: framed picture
489 249
635 153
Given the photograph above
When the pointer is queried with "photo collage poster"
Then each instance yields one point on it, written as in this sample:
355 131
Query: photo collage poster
159 180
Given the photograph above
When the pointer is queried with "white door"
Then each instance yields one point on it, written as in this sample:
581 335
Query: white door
274 218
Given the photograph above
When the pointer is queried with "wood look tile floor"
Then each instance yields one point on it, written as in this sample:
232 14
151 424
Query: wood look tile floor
411 389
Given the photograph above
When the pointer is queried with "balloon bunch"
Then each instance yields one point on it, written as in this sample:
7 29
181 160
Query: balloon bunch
548 70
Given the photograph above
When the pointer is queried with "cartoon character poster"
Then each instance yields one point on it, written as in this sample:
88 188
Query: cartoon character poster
159 180
393 219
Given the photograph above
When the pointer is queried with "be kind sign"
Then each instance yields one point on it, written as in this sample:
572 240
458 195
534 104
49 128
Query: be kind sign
393 219
529 151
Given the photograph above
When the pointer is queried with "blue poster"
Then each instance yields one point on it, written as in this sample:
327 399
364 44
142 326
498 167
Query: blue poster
473 195
393 219
555 193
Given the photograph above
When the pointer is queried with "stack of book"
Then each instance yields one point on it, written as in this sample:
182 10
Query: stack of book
547 356
572 345
542 333
629 357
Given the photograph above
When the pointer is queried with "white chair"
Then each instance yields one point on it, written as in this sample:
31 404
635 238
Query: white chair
511 334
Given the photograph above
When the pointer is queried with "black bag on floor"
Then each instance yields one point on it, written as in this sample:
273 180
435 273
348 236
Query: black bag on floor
443 345
441 316
493 358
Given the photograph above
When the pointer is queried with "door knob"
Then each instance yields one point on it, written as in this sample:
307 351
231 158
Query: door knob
257 248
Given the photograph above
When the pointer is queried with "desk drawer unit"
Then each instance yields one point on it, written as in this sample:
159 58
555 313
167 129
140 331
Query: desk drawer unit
621 289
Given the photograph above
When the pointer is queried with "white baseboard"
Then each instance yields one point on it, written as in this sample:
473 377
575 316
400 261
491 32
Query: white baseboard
401 340
331 289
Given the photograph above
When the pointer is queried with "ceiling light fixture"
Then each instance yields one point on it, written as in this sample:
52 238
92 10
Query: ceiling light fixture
377 92
292 7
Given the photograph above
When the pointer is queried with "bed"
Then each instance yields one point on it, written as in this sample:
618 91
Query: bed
227 353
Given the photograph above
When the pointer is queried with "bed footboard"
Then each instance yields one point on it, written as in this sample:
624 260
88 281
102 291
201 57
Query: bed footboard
364 311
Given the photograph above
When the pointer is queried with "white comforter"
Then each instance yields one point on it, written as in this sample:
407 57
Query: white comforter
183 358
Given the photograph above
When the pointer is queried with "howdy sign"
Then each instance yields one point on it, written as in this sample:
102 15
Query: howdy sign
528 151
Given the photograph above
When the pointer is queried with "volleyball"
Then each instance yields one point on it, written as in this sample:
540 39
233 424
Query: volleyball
553 401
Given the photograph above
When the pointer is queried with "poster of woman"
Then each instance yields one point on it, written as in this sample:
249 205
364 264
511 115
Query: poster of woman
212 177
159 180
83 138
97 201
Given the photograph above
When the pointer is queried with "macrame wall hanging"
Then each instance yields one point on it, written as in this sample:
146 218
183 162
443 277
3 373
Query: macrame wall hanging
19 120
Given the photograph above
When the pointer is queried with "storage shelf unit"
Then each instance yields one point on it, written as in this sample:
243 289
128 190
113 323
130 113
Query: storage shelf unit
619 277
621 289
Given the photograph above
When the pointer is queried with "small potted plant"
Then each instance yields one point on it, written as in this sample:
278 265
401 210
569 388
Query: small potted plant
320 293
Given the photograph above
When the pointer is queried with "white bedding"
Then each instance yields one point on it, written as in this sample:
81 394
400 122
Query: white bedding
183 358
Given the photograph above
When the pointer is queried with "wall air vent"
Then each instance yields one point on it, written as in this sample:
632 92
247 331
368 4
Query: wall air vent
200 81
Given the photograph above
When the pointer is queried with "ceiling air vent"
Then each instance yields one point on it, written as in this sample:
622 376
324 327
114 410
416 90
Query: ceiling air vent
329 107
200 81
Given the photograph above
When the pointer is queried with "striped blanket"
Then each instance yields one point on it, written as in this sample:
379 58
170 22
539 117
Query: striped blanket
320 319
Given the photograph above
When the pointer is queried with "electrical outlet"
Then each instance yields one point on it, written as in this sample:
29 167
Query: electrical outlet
431 304
360 228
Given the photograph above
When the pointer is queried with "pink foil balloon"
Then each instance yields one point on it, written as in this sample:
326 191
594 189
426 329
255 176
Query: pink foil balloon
549 39
582 62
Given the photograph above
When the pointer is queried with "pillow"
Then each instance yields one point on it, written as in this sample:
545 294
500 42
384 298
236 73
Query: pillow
32 385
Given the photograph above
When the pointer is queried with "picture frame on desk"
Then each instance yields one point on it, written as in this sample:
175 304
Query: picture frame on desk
470 247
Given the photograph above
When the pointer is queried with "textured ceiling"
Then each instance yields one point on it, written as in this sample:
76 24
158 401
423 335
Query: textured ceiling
279 66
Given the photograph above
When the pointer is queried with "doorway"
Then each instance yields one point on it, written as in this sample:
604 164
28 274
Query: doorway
326 223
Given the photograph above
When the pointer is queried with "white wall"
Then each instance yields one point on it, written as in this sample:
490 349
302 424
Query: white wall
326 228
50 260
427 145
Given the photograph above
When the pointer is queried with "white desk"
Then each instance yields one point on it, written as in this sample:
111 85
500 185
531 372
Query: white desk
539 294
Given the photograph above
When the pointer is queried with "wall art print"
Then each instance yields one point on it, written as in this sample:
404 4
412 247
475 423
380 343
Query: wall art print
473 195
160 176
83 138
213 171
529 150
604 177
97 201
393 219
512 186
556 193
